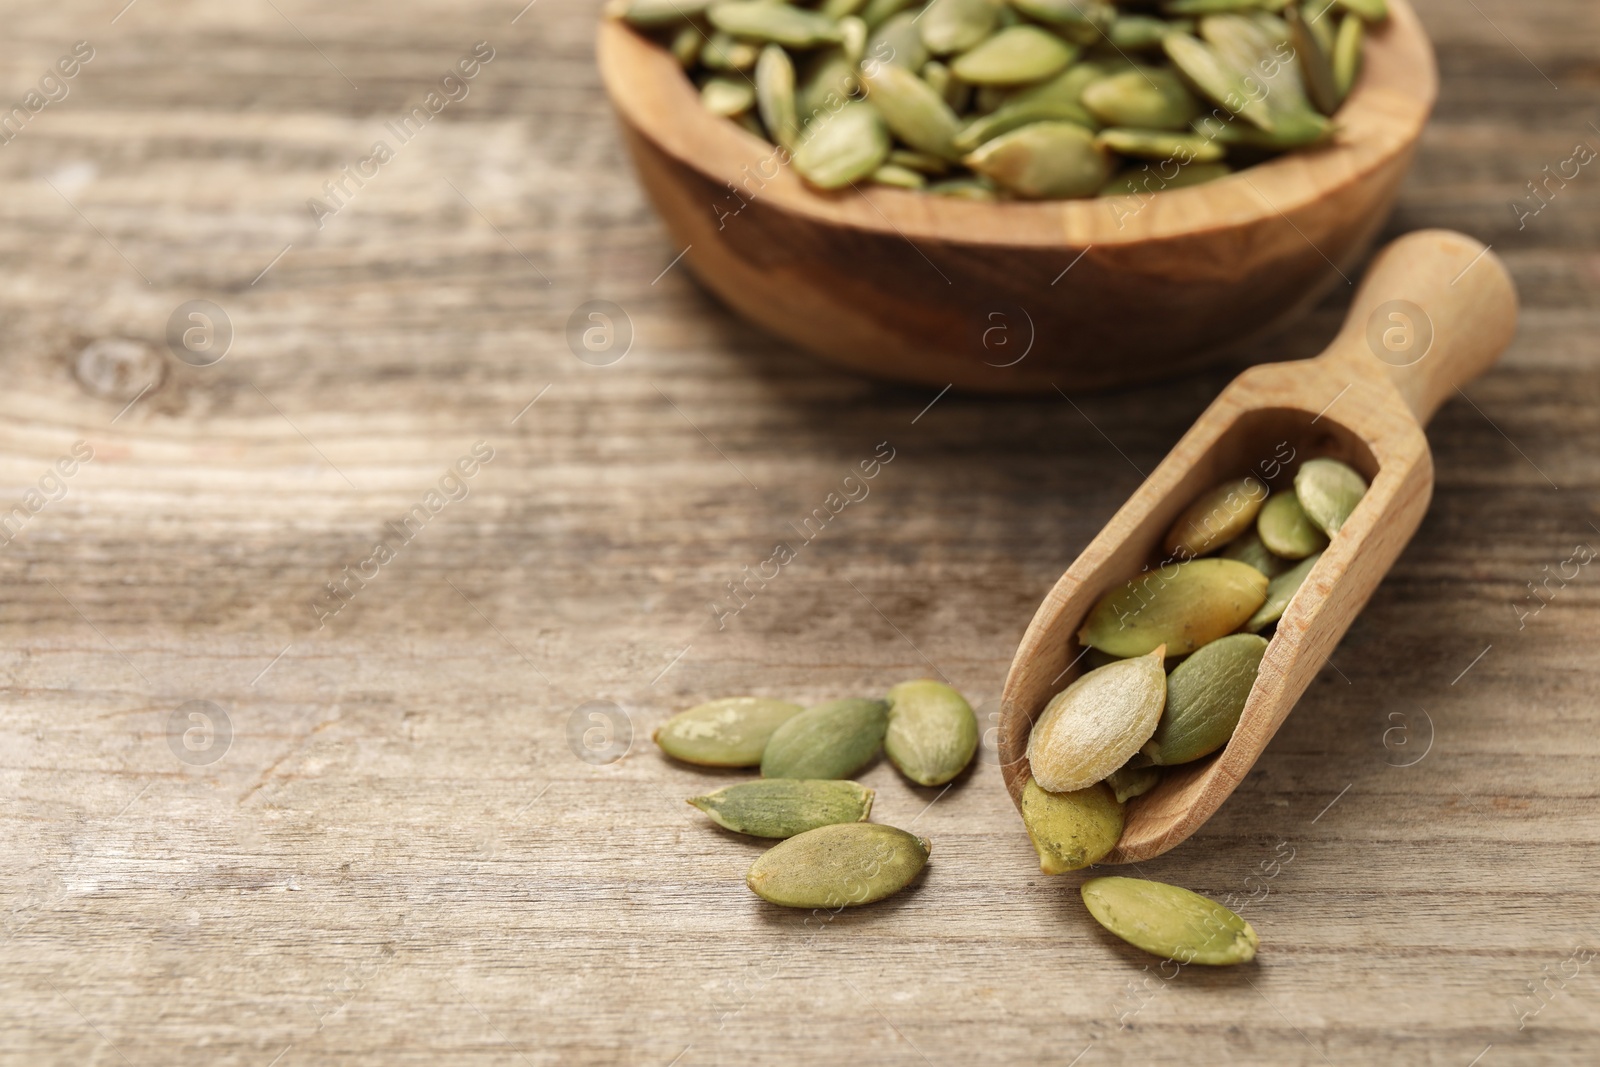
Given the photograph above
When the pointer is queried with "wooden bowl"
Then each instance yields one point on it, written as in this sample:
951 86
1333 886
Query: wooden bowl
1020 296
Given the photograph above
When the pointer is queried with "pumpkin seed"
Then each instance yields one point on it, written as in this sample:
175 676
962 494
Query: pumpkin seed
1179 606
957 25
843 147
1053 100
964 189
1137 33
1216 80
1045 159
838 866
727 97
784 807
732 732
933 733
913 110
775 95
1070 831
1016 56
652 14
877 12
685 46
918 161
1248 548
1145 181
1315 64
1127 781
1347 55
1286 530
853 38
1211 7
1094 725
1308 129
1215 518
1328 491
1182 148
725 52
1151 98
1258 48
1081 21
830 80
764 21
899 42
832 740
839 9
899 177
1167 921
1206 694
1280 591
952 90
1370 10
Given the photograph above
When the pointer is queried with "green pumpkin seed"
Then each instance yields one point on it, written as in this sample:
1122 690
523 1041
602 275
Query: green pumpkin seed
727 97
685 46
1280 591
830 80
732 732
1328 491
1258 48
1070 831
1215 79
1216 517
933 733
1094 725
1370 10
898 177
1315 64
954 91
965 189
956 25
1286 530
1180 606
654 14
767 22
1127 782
1055 100
1081 21
775 95
1206 694
1308 129
853 35
1137 33
784 807
1144 181
839 866
913 110
1248 548
1167 921
897 42
1183 148
722 51
1151 98
877 12
1321 16
832 740
1347 55
1045 159
1016 56
840 9
921 162
843 148
1211 7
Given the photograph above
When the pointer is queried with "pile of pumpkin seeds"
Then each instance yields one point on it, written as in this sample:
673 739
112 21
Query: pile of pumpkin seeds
1035 99
830 856
1173 655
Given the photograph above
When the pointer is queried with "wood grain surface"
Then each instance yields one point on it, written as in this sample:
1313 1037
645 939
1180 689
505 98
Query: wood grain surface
404 854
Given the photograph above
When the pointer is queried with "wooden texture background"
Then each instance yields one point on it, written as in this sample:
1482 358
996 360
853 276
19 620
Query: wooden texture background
402 856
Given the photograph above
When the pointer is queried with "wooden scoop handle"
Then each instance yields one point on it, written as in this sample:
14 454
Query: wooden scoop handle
1435 311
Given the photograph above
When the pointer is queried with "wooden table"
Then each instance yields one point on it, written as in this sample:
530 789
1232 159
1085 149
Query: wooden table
395 832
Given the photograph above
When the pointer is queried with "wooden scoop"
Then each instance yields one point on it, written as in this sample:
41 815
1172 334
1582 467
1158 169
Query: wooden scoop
1435 311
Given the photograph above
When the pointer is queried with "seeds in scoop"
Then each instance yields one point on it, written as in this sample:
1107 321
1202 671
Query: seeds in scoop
1206 694
783 807
1216 80
1215 518
1070 831
832 740
1280 591
1128 782
726 97
775 95
1248 548
838 866
932 734
843 148
1347 55
1046 159
1286 530
1328 491
732 732
1093 726
1180 606
912 109
1147 97
1183 148
957 25
1014 56
1167 921
761 20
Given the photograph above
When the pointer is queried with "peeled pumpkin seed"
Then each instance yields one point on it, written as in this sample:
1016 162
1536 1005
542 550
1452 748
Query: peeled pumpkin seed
839 9
1082 21
1127 782
951 89
722 51
1206 694
1315 63
843 147
829 81
775 95
1183 148
1214 78
1347 55
1328 491
832 740
921 162
1057 99
1370 10
764 21
1015 56
853 38
1248 548
784 807
1093 726
1286 530
838 866
732 732
685 46
912 109
1167 921
1216 517
898 42
956 25
650 14
1045 159
1211 7
1179 606
1136 33
1144 181
899 177
964 189
1070 831
1280 591
933 733
1147 97
877 12
1308 129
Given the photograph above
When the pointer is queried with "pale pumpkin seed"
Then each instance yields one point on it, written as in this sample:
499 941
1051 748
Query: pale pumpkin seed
732 732
783 807
1280 591
1144 180
921 162
1347 55
1216 517
1182 148
1206 694
1328 491
1211 7
829 81
1286 530
898 42
956 25
775 95
964 189
853 39
1370 10
832 740
727 96
839 866
1151 98
933 733
898 177
651 14
1127 782
912 109
1249 548
1138 33
843 147
951 89
1055 100
840 9
1308 129
723 51
1215 79
1016 56
1167 921
1070 831
762 20
877 12
685 46
1045 159
1178 606
1094 725
1315 64
1081 21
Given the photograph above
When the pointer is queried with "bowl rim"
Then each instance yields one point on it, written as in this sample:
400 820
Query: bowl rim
1382 118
